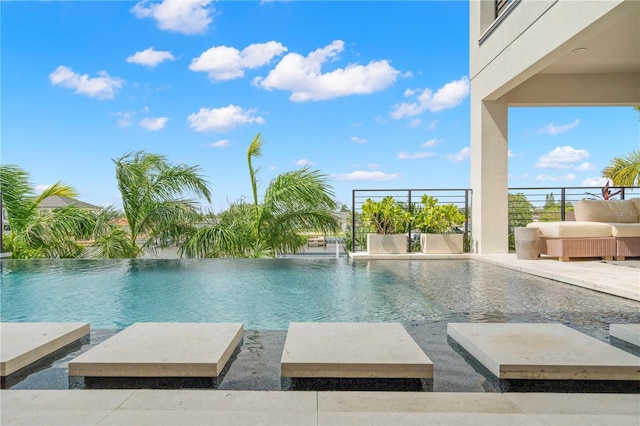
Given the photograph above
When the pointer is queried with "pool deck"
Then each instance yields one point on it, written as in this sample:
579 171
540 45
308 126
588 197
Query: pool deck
616 278
120 406
620 278
187 407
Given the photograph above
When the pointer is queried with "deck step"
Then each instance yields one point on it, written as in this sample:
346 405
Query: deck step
543 352
162 350
25 343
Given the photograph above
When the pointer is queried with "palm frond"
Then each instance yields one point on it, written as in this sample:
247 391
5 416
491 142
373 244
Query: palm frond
254 151
624 171
153 196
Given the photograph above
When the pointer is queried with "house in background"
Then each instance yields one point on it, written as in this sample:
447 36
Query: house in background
57 201
539 53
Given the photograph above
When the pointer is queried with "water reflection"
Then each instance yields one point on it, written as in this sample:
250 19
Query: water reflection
271 293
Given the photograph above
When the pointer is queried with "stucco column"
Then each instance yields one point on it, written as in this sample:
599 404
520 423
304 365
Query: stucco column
489 167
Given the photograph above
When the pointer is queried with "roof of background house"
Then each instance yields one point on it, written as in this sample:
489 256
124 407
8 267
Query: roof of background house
56 201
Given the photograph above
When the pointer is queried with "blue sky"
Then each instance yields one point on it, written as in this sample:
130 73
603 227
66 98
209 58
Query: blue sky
373 94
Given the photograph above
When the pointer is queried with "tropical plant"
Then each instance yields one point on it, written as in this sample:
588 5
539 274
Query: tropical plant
624 171
293 203
41 233
386 216
153 192
437 218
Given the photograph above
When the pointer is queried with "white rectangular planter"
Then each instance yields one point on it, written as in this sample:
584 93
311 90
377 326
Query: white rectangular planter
441 243
386 244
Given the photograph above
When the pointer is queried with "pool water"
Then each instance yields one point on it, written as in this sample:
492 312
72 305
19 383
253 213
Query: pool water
268 294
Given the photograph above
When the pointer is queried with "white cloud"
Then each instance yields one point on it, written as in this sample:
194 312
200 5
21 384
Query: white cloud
222 143
586 167
554 129
273 167
102 87
448 96
432 142
303 162
154 123
226 63
461 155
562 157
415 122
358 140
433 125
186 17
150 57
594 181
125 118
303 76
222 119
373 166
403 155
547 178
510 153
365 175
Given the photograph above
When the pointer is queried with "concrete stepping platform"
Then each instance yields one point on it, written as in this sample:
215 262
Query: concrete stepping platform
24 344
543 352
161 350
382 351
630 333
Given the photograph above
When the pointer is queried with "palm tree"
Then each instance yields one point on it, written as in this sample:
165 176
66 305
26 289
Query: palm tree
624 171
153 192
294 202
38 233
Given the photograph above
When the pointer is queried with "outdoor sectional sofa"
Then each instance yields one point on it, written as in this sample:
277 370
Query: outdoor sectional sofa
607 229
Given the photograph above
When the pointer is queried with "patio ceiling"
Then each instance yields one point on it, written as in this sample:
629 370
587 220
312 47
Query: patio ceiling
599 66
615 49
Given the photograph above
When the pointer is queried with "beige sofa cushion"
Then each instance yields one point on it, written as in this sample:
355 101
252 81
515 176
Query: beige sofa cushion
572 229
612 211
625 229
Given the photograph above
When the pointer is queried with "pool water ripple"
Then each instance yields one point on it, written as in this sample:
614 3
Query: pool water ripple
271 293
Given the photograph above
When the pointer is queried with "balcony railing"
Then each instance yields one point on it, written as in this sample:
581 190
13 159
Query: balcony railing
525 205
410 200
501 6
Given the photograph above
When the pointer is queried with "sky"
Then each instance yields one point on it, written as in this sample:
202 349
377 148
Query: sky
372 94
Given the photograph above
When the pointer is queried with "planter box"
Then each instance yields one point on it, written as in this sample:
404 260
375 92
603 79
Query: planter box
386 244
441 243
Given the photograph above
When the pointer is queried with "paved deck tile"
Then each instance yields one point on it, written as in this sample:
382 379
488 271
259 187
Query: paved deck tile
215 407
543 351
451 408
23 344
630 333
162 350
353 350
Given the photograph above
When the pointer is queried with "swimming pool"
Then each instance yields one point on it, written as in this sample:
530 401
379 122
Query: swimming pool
268 294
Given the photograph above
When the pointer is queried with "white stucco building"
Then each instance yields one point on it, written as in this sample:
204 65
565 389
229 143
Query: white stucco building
539 53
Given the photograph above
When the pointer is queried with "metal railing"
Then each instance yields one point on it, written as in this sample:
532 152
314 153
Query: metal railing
410 200
525 205
557 202
501 6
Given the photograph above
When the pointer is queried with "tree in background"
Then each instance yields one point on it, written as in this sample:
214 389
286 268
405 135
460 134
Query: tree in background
624 171
37 233
552 209
293 203
157 213
520 214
